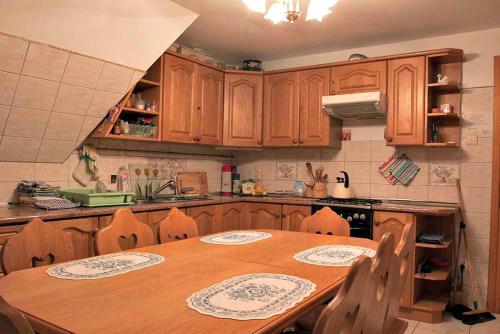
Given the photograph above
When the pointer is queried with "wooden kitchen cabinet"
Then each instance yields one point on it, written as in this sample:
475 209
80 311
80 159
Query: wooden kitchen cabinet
405 101
231 217
207 127
359 78
263 216
205 217
179 99
395 222
243 110
281 109
293 215
82 231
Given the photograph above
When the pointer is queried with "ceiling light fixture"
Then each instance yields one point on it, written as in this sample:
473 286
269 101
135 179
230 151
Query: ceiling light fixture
289 10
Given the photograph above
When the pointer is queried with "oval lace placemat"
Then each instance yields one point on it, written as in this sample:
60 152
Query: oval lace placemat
104 266
251 296
333 255
235 237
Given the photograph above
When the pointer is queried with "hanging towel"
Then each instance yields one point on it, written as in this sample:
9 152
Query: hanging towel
87 168
399 169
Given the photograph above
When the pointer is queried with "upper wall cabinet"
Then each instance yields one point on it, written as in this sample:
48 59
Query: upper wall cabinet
358 78
405 101
193 102
243 110
281 109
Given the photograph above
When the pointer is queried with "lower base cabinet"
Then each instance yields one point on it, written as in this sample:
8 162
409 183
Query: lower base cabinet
205 217
293 215
263 216
231 217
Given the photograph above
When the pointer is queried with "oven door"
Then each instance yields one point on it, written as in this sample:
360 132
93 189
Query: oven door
360 228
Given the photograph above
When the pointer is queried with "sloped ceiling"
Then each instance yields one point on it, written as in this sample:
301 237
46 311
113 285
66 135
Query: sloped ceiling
65 63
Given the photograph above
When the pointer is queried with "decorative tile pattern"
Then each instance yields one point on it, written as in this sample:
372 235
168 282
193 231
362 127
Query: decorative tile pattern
286 170
235 237
104 266
444 174
333 255
251 296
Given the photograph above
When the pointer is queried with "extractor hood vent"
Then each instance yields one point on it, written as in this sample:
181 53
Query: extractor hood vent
356 106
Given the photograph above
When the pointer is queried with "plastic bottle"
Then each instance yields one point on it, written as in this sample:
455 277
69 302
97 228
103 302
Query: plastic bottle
122 182
260 189
226 180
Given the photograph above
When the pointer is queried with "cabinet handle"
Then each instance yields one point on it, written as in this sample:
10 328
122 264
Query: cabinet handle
278 215
295 141
199 108
301 142
388 138
283 216
376 223
198 139
259 142
194 139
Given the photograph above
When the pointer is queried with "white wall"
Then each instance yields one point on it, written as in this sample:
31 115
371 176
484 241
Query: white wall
128 32
480 47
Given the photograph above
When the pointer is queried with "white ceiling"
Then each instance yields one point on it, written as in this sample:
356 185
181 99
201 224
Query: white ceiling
232 33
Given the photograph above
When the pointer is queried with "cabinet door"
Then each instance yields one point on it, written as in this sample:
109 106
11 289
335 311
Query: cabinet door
205 217
314 121
231 217
263 216
243 110
358 78
179 100
209 108
281 109
395 222
293 215
82 233
154 219
405 101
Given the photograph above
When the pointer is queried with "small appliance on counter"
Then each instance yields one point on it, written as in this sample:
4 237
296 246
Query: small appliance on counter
341 189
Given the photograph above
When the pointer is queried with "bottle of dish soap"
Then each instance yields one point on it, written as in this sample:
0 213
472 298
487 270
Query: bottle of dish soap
122 180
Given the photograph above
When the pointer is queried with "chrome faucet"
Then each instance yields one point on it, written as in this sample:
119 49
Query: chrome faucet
169 183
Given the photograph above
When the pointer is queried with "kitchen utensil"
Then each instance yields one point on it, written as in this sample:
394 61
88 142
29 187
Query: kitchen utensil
310 169
341 189
195 180
319 190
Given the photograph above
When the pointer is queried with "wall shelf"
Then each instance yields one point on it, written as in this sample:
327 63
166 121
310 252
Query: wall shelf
450 87
443 115
444 245
442 145
141 112
432 303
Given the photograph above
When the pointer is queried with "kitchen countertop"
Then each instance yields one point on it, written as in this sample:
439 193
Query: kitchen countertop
14 214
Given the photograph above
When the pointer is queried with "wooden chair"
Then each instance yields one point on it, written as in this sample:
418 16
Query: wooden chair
403 253
177 226
326 221
124 225
37 244
345 313
12 321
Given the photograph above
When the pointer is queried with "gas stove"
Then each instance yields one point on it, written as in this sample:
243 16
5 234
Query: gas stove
362 203
357 211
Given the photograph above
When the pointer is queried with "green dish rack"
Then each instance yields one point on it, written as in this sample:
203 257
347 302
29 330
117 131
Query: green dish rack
91 198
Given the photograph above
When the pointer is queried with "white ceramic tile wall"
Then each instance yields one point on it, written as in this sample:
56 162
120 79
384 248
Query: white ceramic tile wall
361 159
51 99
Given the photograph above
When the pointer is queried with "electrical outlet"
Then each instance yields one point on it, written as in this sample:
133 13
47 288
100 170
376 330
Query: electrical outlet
113 178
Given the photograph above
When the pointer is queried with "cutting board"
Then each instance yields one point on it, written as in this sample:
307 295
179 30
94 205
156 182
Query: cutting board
195 180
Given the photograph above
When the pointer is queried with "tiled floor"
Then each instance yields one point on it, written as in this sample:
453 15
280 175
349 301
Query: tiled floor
452 326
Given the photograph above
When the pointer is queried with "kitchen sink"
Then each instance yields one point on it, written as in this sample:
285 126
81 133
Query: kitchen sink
171 199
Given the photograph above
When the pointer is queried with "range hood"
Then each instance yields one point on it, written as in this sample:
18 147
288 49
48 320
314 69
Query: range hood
356 106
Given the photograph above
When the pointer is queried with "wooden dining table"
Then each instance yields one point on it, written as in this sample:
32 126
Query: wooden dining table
153 299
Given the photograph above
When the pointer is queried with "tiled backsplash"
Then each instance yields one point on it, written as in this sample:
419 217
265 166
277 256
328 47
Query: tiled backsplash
51 99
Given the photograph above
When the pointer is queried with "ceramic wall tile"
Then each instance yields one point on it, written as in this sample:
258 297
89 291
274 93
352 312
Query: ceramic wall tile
303 173
45 62
64 126
477 115
444 155
333 169
73 99
476 174
16 171
102 102
136 76
19 149
375 176
89 124
82 71
12 53
266 154
380 151
332 154
55 150
35 93
8 84
309 154
359 190
286 186
479 250
270 185
482 152
243 155
27 123
383 191
358 150
51 172
114 78
442 194
359 172
287 154
4 114
8 192
419 154
477 199
418 193
246 170
286 170
478 224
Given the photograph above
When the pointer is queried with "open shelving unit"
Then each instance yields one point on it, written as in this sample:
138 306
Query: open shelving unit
439 93
150 88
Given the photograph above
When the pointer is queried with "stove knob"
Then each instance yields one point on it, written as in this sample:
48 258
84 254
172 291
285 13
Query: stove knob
362 216
355 216
349 219
341 216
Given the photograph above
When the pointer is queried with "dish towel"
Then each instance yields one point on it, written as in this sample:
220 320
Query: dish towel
399 169
87 168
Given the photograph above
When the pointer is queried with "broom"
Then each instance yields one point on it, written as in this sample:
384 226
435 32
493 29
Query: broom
468 316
